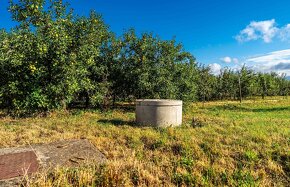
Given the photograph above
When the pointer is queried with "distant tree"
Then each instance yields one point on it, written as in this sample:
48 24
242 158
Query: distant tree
149 67
283 85
262 83
205 83
246 78
227 88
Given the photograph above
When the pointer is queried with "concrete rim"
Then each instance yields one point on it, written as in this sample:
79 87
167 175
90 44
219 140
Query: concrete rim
158 102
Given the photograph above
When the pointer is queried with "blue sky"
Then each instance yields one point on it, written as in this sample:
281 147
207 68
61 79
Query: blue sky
217 32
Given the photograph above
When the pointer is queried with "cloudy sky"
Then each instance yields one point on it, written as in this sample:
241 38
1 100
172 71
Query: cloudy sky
266 32
224 33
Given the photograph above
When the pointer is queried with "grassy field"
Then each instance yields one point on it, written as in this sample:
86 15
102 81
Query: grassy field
220 143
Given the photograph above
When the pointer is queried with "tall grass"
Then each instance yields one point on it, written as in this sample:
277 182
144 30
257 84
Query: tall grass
220 143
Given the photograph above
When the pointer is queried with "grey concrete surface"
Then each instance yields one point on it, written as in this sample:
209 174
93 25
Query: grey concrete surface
159 112
65 153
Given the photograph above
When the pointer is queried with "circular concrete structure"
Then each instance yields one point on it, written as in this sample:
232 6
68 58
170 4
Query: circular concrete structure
159 112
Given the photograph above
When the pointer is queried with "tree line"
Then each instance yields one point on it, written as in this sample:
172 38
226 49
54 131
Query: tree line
235 85
55 59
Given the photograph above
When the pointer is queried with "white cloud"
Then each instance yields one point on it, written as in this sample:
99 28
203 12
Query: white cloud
226 59
215 68
272 57
235 60
277 61
265 30
284 34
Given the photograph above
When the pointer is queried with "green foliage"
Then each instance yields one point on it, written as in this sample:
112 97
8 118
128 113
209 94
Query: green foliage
152 68
206 83
181 179
227 84
251 156
54 59
51 57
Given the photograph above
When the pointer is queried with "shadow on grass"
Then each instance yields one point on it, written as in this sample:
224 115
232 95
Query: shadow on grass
230 107
118 122
244 109
277 109
125 107
3 115
22 114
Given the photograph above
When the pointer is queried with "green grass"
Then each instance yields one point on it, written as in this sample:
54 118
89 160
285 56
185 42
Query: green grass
227 143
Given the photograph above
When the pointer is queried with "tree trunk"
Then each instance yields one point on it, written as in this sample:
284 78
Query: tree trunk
240 88
114 100
87 99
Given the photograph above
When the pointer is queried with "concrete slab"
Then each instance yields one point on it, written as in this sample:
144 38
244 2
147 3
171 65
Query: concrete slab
17 164
43 157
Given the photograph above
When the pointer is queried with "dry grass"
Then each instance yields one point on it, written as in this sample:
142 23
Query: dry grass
226 144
